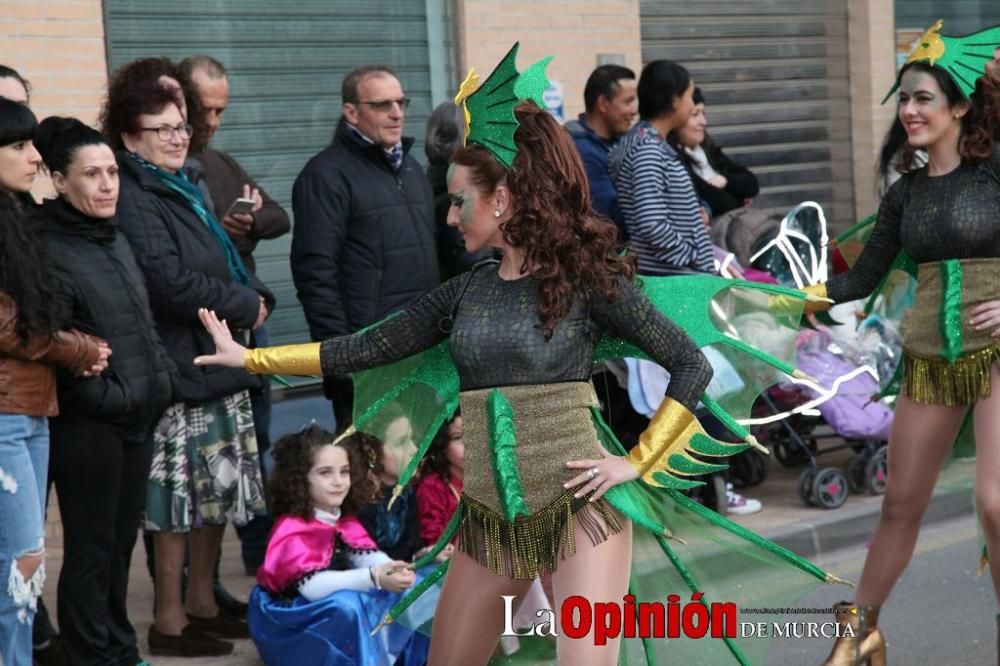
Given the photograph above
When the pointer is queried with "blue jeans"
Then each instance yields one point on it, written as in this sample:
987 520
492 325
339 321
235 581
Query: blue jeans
24 461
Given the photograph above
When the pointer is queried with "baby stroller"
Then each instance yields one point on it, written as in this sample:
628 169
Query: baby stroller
798 416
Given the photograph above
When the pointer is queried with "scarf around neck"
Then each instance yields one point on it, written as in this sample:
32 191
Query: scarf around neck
190 193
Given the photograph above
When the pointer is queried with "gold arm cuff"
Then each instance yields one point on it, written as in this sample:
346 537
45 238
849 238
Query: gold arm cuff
816 298
669 431
815 301
286 360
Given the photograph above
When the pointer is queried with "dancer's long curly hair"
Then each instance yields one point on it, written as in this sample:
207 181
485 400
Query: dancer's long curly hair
294 456
568 247
980 126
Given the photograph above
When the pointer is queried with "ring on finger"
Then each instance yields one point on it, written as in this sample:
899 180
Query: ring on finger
593 472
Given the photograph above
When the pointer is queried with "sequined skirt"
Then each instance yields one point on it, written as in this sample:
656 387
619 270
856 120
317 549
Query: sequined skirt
517 517
946 360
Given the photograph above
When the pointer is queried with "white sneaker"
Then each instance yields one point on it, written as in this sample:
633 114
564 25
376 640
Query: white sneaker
738 504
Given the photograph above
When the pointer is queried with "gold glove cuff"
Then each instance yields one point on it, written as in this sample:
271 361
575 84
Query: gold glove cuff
285 360
816 298
670 429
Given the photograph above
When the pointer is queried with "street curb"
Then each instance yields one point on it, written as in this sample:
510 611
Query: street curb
848 527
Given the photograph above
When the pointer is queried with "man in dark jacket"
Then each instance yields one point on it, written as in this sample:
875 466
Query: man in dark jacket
611 102
364 241
227 181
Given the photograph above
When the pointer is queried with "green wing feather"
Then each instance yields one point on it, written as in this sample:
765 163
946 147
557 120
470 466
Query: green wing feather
503 442
491 109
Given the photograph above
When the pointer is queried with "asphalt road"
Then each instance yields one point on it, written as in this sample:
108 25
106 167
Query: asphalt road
939 613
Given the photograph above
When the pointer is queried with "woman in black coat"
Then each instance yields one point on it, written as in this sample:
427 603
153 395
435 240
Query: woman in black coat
205 468
101 442
722 184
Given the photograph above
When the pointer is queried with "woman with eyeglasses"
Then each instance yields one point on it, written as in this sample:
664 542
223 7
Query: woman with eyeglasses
31 343
205 466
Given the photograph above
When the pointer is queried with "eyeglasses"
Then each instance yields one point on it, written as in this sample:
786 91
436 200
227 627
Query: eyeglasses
385 105
166 132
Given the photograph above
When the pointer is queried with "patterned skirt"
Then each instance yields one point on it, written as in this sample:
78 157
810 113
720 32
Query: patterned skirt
206 469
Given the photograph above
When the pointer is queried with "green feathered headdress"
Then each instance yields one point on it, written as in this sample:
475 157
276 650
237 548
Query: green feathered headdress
964 58
489 108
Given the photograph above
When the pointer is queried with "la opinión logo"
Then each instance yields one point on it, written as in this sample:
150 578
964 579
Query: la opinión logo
579 617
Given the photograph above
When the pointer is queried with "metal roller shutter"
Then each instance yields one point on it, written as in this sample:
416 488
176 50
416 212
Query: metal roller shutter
286 62
961 17
775 78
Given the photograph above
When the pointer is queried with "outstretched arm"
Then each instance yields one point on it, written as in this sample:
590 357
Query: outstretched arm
411 331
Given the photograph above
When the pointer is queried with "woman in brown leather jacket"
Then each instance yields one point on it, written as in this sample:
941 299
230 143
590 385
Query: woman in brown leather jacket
30 343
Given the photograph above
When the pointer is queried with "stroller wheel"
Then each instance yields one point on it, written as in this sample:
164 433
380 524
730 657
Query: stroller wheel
805 486
877 472
830 488
855 471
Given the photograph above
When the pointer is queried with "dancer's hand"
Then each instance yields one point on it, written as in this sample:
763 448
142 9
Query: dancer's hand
395 576
987 316
599 475
228 352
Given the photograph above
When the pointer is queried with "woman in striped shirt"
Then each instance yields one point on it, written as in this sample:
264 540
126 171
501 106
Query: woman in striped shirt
664 219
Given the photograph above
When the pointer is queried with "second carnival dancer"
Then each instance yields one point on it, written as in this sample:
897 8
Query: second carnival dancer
946 217
542 492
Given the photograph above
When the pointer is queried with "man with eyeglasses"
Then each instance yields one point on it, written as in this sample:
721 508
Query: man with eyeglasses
364 240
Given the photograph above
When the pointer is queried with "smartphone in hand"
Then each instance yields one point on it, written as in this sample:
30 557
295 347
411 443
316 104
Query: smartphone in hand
241 205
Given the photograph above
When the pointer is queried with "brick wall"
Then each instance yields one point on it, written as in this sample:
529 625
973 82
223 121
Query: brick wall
574 31
58 45
871 36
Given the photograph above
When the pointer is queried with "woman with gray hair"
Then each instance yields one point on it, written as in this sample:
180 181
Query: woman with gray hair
445 128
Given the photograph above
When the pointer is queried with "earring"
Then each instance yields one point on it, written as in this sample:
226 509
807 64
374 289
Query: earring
496 213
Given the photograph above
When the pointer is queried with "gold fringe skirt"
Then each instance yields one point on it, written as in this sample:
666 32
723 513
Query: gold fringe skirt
553 425
928 374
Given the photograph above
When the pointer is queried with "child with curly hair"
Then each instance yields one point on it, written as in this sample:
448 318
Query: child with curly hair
440 486
325 584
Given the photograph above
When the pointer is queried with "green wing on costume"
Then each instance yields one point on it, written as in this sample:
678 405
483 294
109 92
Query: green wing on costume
739 321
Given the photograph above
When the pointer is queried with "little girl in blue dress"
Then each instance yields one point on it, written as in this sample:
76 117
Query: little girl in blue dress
325 584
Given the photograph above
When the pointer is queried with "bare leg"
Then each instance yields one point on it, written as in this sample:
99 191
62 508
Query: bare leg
600 574
169 548
922 436
203 546
470 613
987 429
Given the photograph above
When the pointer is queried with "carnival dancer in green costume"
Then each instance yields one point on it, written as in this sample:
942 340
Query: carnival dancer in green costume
944 216
547 488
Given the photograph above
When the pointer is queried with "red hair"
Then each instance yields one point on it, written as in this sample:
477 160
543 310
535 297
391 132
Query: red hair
568 247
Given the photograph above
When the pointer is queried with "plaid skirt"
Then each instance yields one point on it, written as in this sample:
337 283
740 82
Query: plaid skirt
206 469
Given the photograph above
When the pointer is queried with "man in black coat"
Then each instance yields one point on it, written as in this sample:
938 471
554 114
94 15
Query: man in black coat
363 244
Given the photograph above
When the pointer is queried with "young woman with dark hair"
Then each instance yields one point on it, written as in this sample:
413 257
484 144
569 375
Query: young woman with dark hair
666 225
945 217
102 439
32 342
